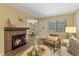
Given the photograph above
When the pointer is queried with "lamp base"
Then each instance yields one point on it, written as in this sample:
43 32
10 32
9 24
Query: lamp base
71 34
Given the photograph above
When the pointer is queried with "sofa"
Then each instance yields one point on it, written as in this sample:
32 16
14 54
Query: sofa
73 47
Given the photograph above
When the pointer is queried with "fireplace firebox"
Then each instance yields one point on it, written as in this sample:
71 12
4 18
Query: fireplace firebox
18 41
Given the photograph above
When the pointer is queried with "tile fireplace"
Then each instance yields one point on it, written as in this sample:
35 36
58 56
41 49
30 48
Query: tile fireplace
14 40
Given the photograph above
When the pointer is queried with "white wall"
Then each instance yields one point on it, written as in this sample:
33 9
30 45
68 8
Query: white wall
76 21
43 22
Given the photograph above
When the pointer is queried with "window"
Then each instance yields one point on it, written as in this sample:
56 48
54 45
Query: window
57 25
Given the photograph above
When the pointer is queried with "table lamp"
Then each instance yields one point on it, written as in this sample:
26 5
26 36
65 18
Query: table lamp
70 30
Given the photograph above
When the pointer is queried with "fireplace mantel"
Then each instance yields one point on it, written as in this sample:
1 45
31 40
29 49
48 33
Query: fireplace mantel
15 28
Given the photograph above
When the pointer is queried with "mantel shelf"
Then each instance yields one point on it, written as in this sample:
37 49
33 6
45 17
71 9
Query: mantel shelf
15 28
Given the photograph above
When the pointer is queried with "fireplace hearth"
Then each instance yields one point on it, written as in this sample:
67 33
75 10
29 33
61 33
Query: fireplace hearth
18 41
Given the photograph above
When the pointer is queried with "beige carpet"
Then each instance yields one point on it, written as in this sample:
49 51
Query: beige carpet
60 52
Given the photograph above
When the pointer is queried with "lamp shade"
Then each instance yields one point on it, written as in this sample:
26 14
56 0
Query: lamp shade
70 29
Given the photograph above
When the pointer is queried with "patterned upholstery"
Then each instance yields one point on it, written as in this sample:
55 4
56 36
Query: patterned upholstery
52 42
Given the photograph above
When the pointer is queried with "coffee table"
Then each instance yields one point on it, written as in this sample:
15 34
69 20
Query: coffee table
46 53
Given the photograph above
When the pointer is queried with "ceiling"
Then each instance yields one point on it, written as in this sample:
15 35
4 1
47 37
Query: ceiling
46 9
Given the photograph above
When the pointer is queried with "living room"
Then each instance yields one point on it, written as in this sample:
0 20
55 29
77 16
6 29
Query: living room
41 29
